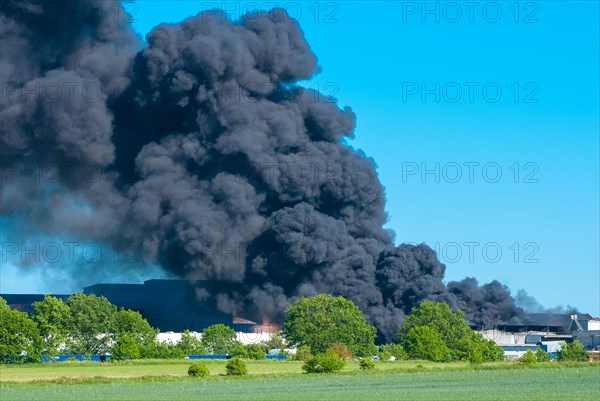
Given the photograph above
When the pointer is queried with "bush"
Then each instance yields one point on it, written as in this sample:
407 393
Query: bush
254 351
341 350
198 370
161 350
191 345
572 352
126 348
366 364
528 358
236 367
323 363
394 350
303 353
475 356
238 350
541 355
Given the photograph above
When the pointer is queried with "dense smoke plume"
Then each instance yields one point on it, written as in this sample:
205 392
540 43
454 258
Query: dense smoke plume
212 161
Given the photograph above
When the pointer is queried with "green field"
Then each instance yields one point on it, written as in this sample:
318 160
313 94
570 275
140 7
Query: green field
271 380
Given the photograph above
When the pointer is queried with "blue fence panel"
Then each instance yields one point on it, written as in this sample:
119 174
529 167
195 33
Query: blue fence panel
77 357
207 357
276 357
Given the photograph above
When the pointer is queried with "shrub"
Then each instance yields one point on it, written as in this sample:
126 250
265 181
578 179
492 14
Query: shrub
198 370
126 348
572 352
394 350
475 356
366 364
323 363
161 350
303 353
191 345
236 367
341 350
254 351
384 356
541 355
528 357
239 351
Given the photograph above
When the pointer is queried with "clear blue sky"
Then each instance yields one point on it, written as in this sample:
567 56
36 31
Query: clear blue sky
377 54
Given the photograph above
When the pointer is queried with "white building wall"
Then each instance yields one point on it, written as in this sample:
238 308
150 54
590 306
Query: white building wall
594 325
244 338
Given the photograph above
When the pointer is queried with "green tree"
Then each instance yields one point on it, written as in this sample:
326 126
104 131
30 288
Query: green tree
191 345
322 320
423 342
20 340
572 352
53 319
451 326
93 323
474 346
219 339
126 347
133 324
462 342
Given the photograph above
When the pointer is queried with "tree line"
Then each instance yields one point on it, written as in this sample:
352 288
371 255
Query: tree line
326 331
88 325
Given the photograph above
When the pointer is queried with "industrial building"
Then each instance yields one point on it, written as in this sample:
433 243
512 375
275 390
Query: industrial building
546 331
170 305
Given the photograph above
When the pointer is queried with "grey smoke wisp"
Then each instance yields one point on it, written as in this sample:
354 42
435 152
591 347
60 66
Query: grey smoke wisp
213 162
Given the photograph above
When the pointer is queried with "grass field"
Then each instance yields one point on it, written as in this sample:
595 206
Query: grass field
272 380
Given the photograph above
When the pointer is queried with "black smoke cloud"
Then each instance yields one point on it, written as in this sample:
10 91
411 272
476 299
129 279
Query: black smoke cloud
214 163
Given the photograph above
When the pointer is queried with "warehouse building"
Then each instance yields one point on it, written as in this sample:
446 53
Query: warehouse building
170 305
546 331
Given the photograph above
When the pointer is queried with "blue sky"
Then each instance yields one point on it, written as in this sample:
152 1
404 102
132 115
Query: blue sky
509 88
542 213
